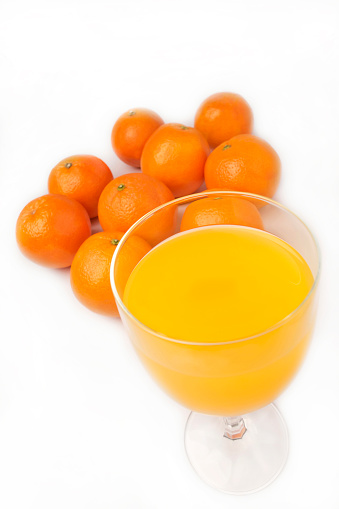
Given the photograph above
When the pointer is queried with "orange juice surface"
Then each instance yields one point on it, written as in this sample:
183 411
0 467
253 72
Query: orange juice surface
221 284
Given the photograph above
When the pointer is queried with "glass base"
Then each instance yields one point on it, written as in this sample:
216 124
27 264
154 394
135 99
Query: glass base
241 465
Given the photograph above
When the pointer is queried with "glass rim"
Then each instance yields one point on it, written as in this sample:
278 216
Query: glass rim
192 197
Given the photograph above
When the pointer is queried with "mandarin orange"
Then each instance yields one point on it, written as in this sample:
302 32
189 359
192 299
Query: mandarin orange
90 270
244 163
130 133
176 154
81 177
51 228
222 116
221 210
128 197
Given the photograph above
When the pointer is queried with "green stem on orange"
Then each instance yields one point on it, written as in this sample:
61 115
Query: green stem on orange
115 242
121 187
68 165
131 113
226 147
184 127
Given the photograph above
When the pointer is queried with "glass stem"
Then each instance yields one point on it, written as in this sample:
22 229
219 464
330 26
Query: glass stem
234 428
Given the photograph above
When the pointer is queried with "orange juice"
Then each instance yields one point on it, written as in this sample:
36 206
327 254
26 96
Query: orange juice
223 303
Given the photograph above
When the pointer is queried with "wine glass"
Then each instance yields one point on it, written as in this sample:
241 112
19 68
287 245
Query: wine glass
235 437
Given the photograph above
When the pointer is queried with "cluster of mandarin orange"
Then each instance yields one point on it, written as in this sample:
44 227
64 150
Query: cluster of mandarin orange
175 160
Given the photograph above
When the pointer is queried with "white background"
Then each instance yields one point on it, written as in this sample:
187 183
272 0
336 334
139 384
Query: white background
82 426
